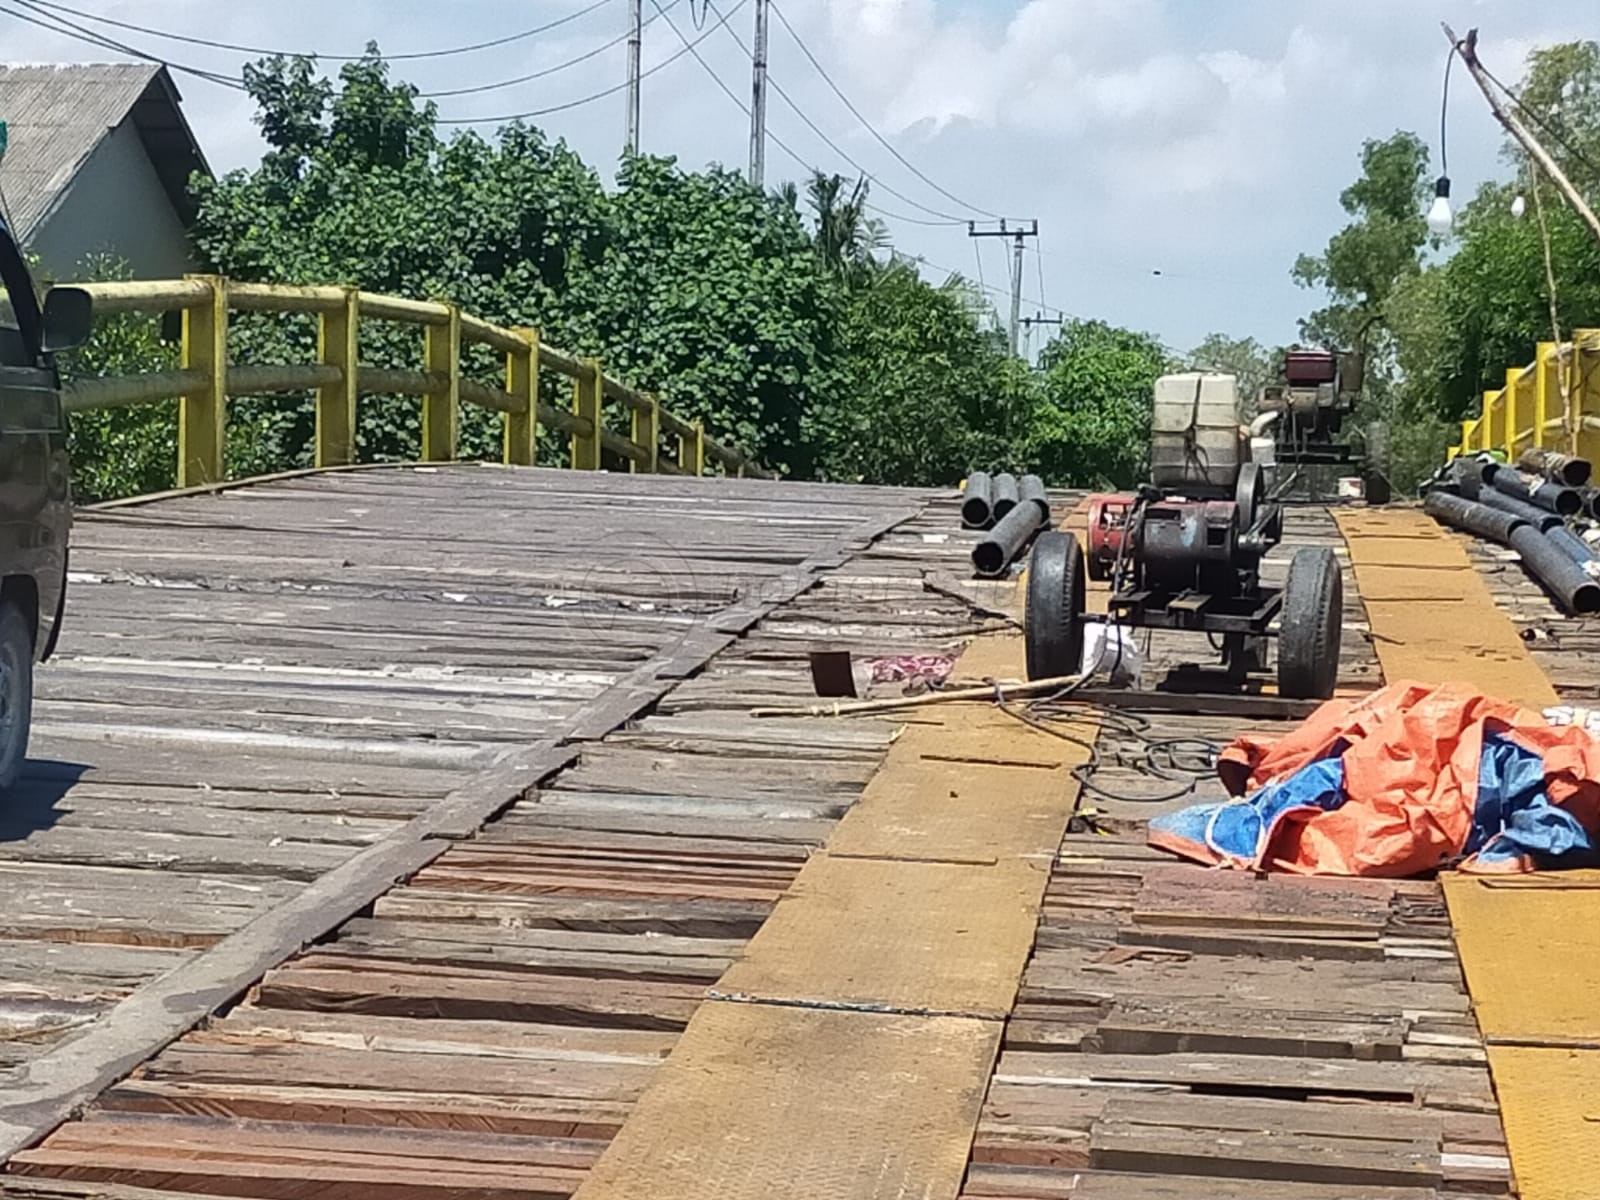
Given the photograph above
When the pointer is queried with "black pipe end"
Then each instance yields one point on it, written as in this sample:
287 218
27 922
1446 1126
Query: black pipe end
1586 600
1575 472
975 513
1002 507
1568 503
989 558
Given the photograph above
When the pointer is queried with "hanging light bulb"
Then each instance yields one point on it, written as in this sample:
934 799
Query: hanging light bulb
1439 219
1519 206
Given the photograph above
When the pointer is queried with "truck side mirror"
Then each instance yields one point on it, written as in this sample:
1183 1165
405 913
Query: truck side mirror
68 318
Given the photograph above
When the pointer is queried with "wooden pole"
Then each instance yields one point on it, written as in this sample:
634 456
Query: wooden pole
1009 687
1468 50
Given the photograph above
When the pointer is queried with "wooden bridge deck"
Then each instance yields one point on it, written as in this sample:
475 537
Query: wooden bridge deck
264 687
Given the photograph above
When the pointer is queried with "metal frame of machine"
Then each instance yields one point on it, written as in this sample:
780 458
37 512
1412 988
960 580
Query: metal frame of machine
1190 562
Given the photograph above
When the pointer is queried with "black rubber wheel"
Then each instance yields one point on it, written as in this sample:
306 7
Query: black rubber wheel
1313 615
16 692
1054 619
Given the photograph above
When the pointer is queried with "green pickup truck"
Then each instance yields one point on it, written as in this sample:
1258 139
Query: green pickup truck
35 502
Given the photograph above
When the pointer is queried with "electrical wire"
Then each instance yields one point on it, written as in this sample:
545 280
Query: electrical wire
1444 109
998 291
868 125
58 25
1539 120
445 53
946 218
688 48
693 48
540 74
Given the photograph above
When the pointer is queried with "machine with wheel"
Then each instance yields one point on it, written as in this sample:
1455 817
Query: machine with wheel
1184 552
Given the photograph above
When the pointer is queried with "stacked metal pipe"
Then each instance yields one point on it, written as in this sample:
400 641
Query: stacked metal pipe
1529 514
1028 512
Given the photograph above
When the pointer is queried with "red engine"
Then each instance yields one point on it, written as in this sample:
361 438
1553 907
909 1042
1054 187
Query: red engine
1108 531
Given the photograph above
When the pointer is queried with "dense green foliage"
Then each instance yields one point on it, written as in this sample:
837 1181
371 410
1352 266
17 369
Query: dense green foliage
783 321
1443 329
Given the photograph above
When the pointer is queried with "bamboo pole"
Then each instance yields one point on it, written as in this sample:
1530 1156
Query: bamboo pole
1010 687
1468 50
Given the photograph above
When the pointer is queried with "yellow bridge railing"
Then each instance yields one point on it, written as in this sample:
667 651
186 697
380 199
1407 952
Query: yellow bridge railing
1553 403
205 379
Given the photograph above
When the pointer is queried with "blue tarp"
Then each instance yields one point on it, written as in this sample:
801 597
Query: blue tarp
1514 821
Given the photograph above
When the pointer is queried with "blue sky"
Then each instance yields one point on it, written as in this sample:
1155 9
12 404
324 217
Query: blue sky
1204 139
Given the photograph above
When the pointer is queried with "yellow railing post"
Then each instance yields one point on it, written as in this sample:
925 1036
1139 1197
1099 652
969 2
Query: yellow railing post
1513 411
203 416
1486 422
1546 361
522 381
586 393
338 345
1584 389
647 433
441 407
692 451
1468 430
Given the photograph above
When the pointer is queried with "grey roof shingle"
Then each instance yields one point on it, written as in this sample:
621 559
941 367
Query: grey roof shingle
57 114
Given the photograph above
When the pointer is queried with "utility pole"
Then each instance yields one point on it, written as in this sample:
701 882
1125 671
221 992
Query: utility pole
1039 318
758 99
635 47
1019 235
1467 48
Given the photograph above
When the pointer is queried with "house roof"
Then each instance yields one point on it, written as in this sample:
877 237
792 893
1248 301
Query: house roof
57 114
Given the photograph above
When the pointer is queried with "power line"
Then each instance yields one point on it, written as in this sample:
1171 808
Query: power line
692 48
868 125
947 218
64 28
688 47
540 74
992 290
445 53
1539 120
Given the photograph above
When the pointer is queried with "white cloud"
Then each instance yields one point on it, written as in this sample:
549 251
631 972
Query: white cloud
1208 139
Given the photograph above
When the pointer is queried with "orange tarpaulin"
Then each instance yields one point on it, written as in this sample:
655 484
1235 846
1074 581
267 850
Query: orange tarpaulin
1410 775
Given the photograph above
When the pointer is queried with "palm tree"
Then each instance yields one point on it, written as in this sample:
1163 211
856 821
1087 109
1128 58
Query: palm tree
846 236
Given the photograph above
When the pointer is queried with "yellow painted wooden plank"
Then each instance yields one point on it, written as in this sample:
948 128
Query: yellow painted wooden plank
1447 630
1550 1107
848 1051
761 1102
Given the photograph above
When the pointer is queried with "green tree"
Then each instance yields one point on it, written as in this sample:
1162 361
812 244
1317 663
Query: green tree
1245 358
1091 427
846 237
121 451
925 385
709 292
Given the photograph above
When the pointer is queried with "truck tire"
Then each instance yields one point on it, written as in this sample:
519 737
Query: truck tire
1053 621
1313 615
16 692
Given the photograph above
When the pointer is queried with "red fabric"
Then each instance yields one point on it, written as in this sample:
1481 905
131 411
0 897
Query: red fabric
1411 773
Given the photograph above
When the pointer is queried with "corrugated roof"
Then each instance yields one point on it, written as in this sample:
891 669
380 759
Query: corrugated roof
57 114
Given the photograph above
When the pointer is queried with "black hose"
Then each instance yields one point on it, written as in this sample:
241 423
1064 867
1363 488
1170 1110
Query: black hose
1461 513
1541 493
1579 550
977 502
1005 541
1537 517
1031 488
1556 467
1005 495
1563 578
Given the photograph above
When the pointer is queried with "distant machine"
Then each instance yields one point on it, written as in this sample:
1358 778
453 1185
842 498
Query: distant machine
1184 552
1301 420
